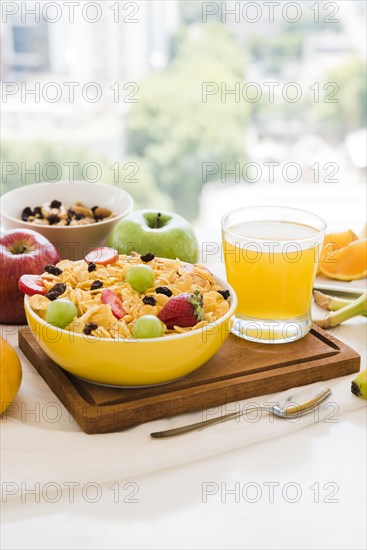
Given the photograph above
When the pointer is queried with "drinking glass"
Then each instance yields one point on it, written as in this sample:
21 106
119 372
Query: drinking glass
271 255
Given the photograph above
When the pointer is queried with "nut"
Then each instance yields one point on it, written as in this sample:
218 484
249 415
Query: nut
101 212
81 209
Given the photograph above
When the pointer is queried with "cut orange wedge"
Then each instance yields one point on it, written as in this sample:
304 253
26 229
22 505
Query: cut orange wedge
334 242
346 264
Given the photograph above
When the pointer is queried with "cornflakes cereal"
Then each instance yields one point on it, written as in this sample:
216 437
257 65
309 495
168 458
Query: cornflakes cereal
171 278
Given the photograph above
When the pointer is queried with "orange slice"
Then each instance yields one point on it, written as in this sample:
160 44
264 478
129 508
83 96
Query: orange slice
347 264
334 242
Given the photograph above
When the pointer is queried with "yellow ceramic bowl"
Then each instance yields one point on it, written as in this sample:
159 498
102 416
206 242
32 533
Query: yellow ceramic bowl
132 362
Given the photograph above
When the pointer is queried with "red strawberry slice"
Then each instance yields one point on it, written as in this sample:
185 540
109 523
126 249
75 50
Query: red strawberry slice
31 284
183 310
110 297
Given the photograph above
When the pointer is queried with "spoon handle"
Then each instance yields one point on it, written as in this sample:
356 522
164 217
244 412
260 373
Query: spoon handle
203 424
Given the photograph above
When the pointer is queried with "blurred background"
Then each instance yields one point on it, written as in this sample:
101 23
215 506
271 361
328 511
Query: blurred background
193 106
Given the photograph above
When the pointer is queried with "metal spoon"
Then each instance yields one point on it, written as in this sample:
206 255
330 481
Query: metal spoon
297 404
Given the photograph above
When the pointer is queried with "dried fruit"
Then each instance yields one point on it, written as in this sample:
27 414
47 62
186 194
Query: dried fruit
101 213
147 257
53 270
56 291
164 290
27 212
38 212
88 327
149 300
82 210
53 219
96 284
225 293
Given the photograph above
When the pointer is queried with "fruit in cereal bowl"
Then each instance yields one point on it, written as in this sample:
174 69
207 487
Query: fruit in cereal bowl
122 336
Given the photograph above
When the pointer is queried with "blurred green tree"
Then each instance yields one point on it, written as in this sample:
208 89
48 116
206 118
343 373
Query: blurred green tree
50 164
348 111
273 51
177 129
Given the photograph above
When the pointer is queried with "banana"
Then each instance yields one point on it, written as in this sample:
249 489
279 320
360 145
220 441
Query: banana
359 384
338 315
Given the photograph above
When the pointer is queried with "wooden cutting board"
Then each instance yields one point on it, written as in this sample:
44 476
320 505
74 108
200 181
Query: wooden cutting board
239 370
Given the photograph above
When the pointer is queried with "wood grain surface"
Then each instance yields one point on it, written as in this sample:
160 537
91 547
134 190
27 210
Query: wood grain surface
239 370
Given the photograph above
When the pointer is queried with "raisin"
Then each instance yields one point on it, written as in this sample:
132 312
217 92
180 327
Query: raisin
94 208
53 219
72 215
52 295
96 284
147 257
164 290
149 300
55 204
27 212
91 267
38 212
80 216
56 291
53 270
60 287
89 327
225 293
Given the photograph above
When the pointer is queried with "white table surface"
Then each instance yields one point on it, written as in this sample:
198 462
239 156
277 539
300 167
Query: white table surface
171 511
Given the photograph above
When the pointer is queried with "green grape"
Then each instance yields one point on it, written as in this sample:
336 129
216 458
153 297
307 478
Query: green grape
147 326
140 277
61 312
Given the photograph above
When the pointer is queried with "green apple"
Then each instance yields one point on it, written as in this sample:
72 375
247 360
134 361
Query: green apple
164 234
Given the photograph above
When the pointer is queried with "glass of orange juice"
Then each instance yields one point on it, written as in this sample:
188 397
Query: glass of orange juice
271 255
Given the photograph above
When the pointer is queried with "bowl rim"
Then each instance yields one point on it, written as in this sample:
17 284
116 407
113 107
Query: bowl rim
169 337
45 184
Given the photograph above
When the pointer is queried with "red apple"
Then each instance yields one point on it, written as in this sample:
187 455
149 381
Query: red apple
21 251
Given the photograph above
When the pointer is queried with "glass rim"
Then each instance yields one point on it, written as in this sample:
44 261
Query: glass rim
271 207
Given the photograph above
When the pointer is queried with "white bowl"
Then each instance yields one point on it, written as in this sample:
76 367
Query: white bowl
75 241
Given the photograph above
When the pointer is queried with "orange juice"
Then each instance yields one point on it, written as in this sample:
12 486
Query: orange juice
272 265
